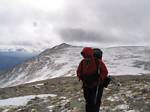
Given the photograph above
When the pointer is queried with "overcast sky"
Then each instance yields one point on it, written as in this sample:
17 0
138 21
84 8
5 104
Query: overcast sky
39 24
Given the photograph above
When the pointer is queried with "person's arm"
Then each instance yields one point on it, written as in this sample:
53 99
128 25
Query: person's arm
103 70
79 71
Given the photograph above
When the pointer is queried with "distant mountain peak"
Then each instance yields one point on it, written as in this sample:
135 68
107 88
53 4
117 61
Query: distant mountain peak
63 45
55 48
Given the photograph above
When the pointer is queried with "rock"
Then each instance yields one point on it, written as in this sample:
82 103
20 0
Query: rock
132 94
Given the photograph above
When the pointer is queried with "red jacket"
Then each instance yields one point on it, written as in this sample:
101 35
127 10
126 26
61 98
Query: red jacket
91 67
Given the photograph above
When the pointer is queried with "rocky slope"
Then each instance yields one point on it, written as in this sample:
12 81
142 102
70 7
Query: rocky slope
124 94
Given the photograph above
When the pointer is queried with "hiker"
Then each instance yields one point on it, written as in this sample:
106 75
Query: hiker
92 72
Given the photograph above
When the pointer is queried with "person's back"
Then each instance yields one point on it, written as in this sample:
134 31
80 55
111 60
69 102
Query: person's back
92 73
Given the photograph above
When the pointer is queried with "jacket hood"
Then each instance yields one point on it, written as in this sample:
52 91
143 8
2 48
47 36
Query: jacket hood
87 52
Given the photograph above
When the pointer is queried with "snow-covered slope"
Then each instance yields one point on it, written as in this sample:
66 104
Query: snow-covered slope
128 60
62 60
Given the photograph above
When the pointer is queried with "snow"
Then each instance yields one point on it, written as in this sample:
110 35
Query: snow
64 61
51 108
121 107
132 111
6 110
115 97
22 100
120 61
40 84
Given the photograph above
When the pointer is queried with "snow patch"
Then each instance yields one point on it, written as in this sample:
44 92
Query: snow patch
122 107
6 110
22 100
113 98
51 108
132 111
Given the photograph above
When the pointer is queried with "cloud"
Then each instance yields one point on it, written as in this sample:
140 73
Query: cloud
35 24
81 35
25 26
125 21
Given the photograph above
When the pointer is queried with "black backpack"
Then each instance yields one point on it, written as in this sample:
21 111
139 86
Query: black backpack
98 55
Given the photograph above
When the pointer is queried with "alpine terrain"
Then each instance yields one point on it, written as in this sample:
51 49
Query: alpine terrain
46 83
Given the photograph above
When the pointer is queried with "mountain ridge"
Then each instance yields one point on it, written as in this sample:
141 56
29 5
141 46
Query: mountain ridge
62 60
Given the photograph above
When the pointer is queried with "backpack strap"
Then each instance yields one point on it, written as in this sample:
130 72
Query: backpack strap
97 66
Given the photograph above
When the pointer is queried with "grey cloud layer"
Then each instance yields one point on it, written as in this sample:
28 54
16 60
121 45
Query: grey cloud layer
81 35
81 20
107 20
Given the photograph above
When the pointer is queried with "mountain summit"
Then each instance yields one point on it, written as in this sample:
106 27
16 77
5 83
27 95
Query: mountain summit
63 45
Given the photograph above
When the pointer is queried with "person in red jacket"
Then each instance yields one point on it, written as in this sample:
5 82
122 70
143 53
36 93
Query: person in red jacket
87 72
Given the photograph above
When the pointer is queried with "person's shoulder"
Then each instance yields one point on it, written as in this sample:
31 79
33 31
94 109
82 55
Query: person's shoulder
82 61
101 61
